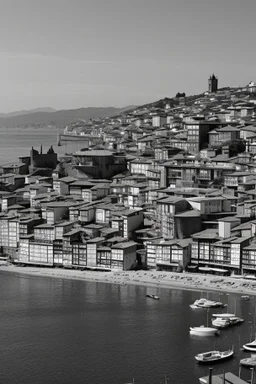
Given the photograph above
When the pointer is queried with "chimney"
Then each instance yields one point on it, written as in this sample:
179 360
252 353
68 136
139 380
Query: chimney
210 376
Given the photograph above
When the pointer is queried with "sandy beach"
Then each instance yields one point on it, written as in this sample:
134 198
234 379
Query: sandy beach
158 279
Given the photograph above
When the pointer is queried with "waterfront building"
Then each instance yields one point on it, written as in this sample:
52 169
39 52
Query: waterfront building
169 255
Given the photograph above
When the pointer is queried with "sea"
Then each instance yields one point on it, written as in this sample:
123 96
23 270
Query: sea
16 142
74 332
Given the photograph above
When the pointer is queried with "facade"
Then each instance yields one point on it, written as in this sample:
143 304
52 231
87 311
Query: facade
99 163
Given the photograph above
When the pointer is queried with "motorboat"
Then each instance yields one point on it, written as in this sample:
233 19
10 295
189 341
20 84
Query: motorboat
203 331
234 320
250 346
249 361
220 322
214 356
245 297
205 303
153 297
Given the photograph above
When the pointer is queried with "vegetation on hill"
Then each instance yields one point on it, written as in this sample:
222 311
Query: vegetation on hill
235 147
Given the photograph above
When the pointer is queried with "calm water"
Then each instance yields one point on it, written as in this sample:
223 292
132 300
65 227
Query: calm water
15 142
63 331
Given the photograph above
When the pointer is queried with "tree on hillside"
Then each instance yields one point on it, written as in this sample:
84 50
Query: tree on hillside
180 95
235 147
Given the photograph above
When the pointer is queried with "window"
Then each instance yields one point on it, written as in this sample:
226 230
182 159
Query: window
177 254
204 253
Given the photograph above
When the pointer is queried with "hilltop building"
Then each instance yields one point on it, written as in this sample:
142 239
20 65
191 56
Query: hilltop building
213 84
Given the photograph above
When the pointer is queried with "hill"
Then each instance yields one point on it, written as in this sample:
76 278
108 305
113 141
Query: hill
57 118
26 112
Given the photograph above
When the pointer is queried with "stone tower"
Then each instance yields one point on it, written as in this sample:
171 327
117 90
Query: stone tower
212 84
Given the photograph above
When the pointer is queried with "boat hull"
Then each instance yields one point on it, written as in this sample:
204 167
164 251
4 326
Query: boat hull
248 348
203 331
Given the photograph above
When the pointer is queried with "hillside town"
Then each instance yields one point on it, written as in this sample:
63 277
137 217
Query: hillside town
167 186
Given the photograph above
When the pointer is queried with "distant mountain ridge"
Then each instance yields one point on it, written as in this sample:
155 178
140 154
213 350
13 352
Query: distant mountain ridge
26 112
47 116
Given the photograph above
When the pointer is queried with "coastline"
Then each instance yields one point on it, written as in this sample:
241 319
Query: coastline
150 279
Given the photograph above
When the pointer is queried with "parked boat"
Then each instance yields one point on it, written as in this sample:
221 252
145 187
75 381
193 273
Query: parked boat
250 346
205 303
245 297
249 361
221 322
234 320
226 321
203 331
214 356
153 297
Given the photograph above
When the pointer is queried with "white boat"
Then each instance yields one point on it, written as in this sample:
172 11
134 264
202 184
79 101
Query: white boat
223 315
250 346
220 322
205 303
214 356
203 331
249 361
226 319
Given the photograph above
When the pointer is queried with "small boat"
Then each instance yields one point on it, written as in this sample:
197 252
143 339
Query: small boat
220 322
203 331
205 303
245 297
234 320
153 297
250 346
214 356
249 361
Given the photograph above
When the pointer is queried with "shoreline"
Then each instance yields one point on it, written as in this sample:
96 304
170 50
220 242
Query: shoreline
150 279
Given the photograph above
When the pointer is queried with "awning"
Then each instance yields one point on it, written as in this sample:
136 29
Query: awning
207 269
167 264
204 269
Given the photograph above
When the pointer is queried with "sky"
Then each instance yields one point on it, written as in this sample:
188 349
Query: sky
78 53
